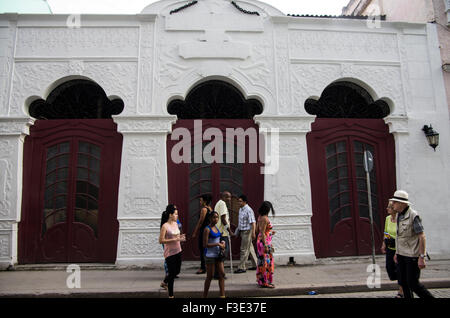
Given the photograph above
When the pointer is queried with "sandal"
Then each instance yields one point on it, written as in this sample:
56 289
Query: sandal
267 286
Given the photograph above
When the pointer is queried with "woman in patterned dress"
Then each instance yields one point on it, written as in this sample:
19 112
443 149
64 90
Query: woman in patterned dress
265 269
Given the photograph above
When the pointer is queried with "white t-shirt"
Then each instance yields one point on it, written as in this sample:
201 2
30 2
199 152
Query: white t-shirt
221 208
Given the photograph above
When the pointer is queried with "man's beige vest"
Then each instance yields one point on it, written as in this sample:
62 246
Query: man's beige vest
407 241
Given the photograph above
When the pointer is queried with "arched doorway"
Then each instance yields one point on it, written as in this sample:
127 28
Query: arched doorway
348 122
71 177
219 106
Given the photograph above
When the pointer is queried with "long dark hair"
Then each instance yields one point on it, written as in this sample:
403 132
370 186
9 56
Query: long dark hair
170 209
265 208
207 198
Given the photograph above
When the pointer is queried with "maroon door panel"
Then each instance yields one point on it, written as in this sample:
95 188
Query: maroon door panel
69 203
188 181
340 222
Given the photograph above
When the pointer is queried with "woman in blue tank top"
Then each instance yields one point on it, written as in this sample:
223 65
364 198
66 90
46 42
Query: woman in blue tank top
213 254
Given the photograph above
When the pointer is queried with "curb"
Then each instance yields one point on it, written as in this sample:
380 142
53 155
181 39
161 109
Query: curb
231 293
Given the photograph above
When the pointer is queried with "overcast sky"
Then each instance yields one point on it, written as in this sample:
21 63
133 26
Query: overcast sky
330 7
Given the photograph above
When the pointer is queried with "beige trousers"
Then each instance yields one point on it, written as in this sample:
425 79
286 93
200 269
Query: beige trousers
247 250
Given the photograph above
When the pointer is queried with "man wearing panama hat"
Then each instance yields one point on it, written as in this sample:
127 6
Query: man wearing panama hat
410 246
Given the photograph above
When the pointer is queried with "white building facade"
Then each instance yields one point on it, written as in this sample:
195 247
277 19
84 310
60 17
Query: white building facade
159 56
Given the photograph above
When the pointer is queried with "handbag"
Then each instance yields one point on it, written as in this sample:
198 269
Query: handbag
221 254
390 243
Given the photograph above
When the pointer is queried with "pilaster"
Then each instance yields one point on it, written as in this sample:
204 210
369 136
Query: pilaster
288 188
12 133
143 192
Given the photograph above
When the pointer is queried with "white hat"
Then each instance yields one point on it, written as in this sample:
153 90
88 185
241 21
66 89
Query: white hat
400 196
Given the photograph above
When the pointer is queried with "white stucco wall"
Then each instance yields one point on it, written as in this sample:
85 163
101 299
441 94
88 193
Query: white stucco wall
153 57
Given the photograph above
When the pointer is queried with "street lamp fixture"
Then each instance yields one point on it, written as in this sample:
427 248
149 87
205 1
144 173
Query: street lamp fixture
432 136
446 67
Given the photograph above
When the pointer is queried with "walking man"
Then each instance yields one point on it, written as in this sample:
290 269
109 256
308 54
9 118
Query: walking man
224 218
411 247
224 221
247 231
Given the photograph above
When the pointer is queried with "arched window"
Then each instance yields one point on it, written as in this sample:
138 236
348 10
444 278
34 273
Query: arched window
213 100
346 100
76 99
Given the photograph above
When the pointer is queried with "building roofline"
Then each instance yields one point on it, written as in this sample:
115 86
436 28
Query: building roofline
355 17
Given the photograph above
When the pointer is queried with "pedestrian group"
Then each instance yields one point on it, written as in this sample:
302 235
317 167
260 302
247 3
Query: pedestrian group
404 243
214 234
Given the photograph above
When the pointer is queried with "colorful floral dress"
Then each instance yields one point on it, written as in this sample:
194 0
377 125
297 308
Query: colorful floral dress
264 272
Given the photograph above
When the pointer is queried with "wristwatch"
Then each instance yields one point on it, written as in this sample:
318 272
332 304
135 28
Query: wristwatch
422 255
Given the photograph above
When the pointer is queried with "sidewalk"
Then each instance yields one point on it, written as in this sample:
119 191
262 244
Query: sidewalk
326 276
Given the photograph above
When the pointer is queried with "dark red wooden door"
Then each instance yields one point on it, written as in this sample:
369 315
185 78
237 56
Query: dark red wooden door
188 181
341 223
69 204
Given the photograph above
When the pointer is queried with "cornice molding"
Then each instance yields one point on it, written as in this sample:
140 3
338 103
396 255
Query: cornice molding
144 124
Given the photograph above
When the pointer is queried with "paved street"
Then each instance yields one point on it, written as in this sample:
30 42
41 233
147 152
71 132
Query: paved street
330 278
438 293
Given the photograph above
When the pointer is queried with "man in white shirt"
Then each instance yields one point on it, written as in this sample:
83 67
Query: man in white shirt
247 231
224 221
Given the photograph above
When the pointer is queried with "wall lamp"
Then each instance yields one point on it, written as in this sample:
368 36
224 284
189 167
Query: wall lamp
432 136
446 67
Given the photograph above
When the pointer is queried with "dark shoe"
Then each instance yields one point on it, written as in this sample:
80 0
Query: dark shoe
252 269
201 271
239 271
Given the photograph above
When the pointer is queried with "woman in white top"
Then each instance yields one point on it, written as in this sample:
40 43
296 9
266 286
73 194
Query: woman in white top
170 236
